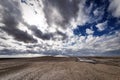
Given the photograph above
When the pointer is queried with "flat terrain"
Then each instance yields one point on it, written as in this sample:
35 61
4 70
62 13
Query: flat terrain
60 68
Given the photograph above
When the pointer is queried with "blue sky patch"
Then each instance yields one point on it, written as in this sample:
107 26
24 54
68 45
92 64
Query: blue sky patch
101 6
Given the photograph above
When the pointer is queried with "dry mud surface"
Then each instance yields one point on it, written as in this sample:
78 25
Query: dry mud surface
60 68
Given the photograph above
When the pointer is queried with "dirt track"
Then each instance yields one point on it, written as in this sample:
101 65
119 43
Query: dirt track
59 69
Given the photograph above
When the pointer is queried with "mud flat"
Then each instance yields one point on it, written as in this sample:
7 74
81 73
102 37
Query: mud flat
60 68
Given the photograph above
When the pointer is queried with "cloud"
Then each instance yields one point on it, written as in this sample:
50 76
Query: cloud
47 23
98 44
39 34
11 17
81 15
114 7
63 10
46 26
22 55
101 26
89 31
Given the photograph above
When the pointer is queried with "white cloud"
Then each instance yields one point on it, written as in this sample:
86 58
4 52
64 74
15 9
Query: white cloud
98 12
1 12
2 25
73 43
102 26
55 15
114 7
102 43
34 15
8 42
81 17
22 55
89 31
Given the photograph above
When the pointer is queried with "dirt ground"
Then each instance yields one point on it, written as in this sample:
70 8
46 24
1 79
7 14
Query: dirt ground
60 68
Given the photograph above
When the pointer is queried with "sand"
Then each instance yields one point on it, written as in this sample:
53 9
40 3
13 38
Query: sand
60 68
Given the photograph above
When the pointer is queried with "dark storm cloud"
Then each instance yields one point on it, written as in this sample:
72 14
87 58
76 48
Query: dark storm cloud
19 35
44 36
11 17
67 8
64 36
2 37
39 34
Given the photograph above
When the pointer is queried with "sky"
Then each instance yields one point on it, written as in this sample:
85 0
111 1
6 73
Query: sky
60 27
